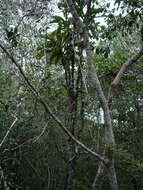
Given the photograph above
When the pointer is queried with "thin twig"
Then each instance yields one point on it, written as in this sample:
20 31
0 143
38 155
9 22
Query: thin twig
96 179
8 131
39 136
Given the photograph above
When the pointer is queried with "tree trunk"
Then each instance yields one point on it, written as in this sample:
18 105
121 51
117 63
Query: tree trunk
109 135
112 175
71 181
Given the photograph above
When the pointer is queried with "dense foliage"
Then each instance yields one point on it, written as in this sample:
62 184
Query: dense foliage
41 36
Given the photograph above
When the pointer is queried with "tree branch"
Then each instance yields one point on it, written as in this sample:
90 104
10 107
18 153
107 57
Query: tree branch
8 131
49 111
98 175
39 136
120 74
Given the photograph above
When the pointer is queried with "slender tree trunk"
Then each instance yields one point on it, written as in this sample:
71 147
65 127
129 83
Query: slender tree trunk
112 175
71 180
72 121
97 180
109 135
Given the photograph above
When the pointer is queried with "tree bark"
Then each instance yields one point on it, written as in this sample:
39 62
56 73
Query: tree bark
72 122
109 136
71 180
112 175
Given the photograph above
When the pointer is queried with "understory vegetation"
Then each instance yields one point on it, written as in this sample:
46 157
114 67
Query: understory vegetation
71 95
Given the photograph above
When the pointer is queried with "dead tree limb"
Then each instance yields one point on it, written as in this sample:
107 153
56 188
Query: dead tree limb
48 109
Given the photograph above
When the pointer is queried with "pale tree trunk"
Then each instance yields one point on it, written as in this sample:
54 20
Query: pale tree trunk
112 175
109 136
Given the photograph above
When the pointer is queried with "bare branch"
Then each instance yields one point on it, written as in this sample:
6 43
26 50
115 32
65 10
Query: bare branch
19 68
98 175
49 111
39 136
121 72
8 131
